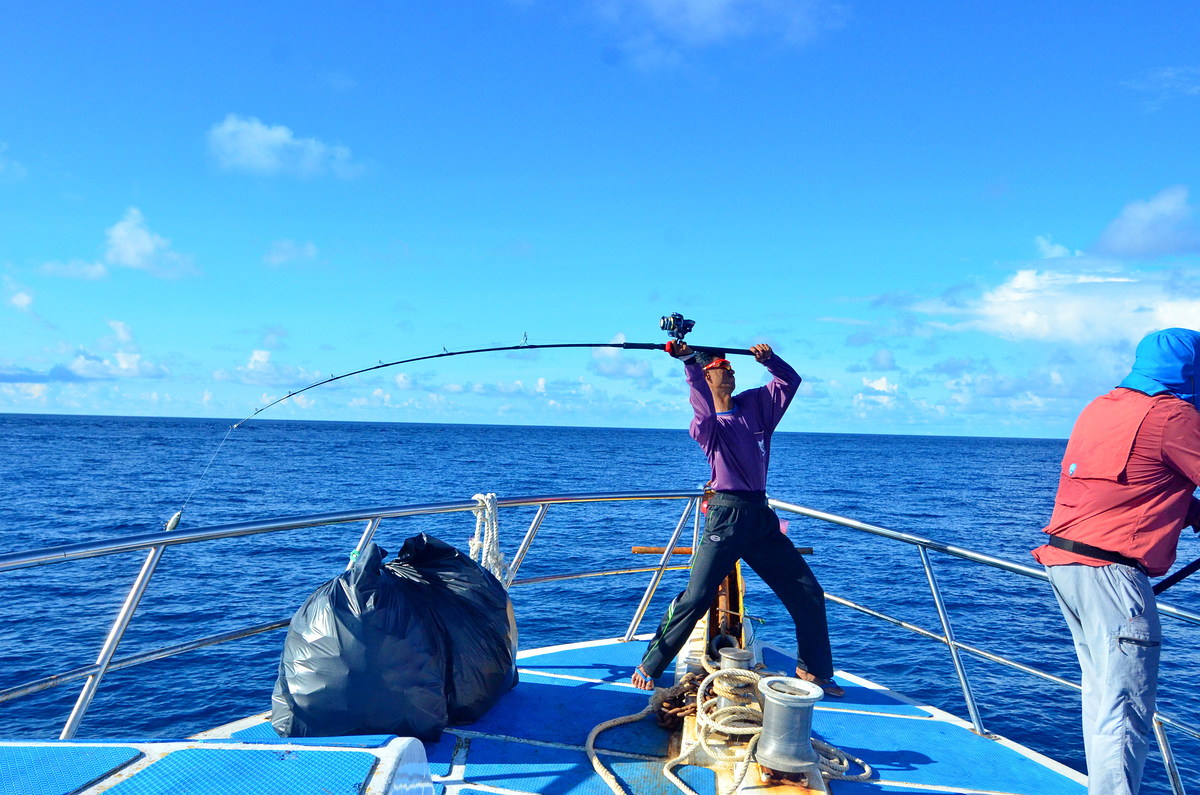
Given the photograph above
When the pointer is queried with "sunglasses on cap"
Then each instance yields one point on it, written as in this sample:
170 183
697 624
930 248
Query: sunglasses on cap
719 364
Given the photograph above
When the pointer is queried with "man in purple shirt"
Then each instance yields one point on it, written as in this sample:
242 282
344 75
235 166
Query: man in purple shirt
734 431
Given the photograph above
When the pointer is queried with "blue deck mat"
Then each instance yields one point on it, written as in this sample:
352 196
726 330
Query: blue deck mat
58 769
263 733
562 771
263 772
564 711
866 699
611 663
440 754
875 788
615 663
935 753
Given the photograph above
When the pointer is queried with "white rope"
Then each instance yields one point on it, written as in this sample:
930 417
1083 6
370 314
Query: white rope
485 546
737 720
743 719
655 702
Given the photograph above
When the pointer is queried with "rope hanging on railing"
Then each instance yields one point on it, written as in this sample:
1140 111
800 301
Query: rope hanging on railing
485 546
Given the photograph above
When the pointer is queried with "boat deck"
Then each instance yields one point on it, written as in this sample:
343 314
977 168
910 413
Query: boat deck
533 741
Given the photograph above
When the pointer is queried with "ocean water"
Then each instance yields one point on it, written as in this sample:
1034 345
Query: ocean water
70 479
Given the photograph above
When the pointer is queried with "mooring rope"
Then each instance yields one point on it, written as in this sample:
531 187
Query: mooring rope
485 546
741 719
656 699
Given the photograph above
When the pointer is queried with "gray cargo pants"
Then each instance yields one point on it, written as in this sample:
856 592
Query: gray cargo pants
1113 619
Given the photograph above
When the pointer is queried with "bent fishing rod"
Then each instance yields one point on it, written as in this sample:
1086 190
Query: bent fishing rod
675 324
637 346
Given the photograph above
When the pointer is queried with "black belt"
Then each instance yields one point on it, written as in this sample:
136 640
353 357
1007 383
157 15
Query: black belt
1089 551
739 499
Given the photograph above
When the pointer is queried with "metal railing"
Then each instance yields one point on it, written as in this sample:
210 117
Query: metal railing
156 543
924 546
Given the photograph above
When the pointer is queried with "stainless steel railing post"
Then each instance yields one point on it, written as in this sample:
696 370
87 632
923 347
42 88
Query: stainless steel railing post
115 633
530 534
1164 745
368 534
959 668
658 573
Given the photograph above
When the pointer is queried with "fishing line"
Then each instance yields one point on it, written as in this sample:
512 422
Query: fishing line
200 479
523 346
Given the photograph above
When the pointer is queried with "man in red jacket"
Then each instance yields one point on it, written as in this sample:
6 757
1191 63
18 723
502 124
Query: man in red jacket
1124 495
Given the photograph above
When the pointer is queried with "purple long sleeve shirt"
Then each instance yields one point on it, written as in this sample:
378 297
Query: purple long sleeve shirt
738 443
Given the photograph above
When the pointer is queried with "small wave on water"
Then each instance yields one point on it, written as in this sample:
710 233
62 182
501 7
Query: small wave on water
72 479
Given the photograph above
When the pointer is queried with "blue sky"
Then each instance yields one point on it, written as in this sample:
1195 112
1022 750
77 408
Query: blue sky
950 218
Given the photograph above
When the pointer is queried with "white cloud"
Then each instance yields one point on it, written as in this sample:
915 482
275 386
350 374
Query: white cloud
112 357
10 170
619 364
379 395
1093 308
20 298
880 385
863 401
287 251
1168 82
131 244
1048 249
246 144
655 34
121 331
705 22
1152 228
261 371
90 366
23 393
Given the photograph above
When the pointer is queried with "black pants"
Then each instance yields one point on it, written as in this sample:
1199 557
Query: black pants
747 530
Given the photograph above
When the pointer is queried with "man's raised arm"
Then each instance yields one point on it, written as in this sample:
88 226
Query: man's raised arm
784 383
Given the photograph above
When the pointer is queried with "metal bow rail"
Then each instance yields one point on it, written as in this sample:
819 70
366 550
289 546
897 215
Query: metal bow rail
155 544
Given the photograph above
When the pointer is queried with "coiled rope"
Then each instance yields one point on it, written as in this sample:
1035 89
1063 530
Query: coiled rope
741 719
485 546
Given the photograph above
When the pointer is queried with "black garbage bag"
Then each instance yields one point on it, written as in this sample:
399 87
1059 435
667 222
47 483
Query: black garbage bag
475 621
405 648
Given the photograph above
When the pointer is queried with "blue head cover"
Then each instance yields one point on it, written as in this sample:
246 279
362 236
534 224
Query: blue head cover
1167 361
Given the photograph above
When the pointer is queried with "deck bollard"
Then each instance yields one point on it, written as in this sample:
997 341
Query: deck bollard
735 658
786 741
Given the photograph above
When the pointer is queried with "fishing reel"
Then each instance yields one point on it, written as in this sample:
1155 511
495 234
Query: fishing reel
676 325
